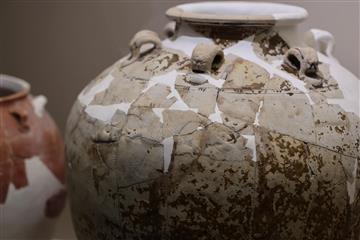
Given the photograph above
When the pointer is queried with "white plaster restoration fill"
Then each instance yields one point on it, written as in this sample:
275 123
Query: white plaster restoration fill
185 44
217 83
158 112
256 121
244 49
216 116
169 79
106 112
23 215
250 143
38 104
168 144
86 98
349 84
101 112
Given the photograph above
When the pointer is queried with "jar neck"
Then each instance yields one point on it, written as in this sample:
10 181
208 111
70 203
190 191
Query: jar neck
228 32
238 32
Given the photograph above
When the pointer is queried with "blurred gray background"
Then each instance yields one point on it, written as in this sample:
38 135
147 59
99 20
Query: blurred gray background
60 45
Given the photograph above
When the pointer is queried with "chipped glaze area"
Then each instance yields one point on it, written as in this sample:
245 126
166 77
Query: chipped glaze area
246 151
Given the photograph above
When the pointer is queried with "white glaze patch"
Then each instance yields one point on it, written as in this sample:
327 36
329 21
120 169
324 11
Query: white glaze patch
244 49
216 116
106 112
86 98
39 103
24 208
185 44
168 148
250 143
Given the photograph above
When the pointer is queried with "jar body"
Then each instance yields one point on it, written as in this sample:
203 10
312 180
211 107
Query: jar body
246 151
32 170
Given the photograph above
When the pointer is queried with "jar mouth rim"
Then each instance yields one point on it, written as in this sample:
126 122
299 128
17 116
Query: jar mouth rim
238 12
12 88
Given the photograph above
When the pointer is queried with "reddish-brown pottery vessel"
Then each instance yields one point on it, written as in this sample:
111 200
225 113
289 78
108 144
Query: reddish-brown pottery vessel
32 192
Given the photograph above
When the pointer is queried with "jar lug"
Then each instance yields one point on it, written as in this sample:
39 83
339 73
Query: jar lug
206 57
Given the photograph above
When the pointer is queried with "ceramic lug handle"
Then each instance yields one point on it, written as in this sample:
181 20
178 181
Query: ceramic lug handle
304 61
170 29
206 57
141 38
321 40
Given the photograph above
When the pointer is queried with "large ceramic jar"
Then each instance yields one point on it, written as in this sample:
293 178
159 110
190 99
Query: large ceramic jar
32 191
236 126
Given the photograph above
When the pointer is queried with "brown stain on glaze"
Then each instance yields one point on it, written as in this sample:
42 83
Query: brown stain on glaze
297 198
229 32
272 44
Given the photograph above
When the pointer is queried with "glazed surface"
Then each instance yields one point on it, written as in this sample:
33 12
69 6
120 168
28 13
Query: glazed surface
247 151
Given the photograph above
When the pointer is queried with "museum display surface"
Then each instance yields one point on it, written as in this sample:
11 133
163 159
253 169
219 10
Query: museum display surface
236 126
32 177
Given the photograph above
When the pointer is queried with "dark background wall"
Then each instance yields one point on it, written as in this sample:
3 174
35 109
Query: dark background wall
59 46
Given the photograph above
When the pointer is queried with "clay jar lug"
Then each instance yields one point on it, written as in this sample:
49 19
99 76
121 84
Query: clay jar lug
139 40
170 29
304 62
206 57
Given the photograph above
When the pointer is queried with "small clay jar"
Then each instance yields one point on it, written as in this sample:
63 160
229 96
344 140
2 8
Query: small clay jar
32 192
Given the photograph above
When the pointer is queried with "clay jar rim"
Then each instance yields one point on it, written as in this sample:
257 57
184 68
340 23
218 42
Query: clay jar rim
238 13
19 87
